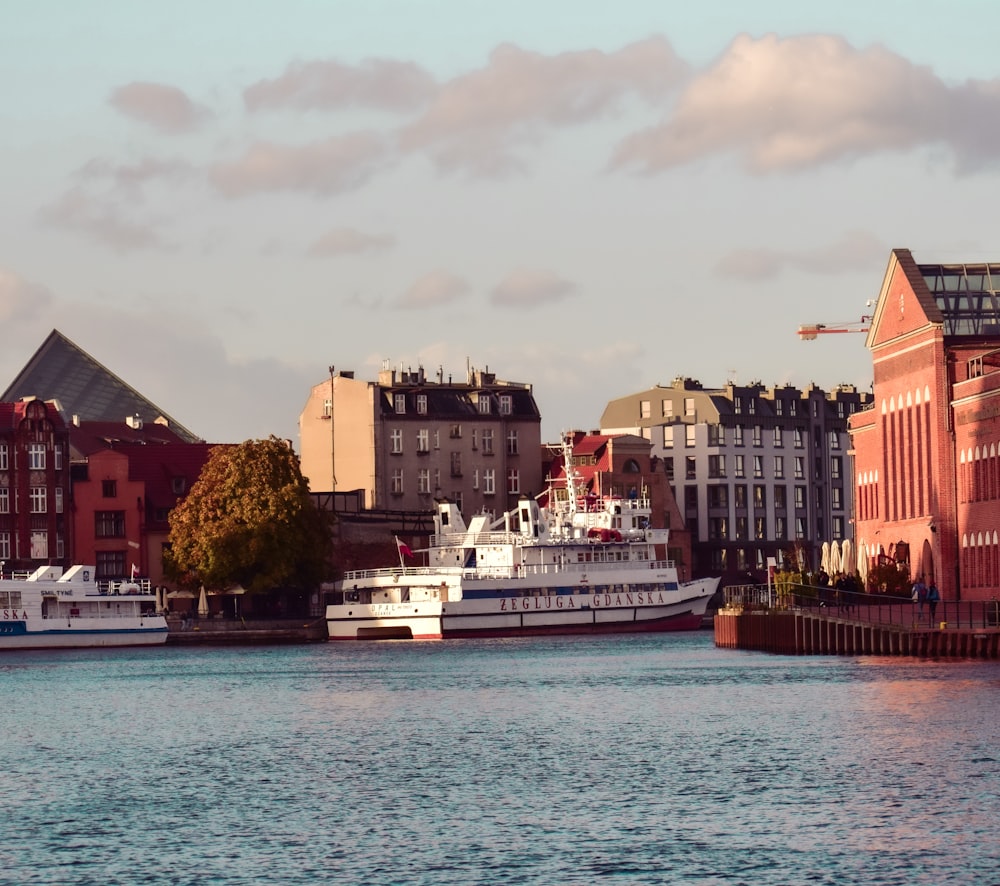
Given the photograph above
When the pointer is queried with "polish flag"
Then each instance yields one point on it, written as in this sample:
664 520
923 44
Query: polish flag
403 548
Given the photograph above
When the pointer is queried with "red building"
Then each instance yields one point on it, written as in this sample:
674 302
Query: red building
34 485
927 466
127 477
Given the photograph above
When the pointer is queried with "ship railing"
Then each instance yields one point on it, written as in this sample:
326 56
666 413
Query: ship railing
125 587
506 572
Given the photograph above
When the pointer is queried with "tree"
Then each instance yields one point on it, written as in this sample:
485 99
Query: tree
249 520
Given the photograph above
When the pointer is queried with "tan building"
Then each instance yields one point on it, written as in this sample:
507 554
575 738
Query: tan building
405 440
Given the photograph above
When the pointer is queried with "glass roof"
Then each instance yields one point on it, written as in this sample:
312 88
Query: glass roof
968 297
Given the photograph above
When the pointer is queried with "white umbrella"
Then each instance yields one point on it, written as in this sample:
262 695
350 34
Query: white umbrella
863 563
847 557
834 557
202 602
825 561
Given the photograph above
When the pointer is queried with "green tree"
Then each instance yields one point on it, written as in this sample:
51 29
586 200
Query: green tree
248 520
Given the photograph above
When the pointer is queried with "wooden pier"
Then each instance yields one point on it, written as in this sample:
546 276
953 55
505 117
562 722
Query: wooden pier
807 624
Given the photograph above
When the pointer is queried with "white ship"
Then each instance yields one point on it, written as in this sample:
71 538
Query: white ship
583 567
52 609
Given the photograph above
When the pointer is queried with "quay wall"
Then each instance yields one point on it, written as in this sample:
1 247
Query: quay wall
792 632
238 631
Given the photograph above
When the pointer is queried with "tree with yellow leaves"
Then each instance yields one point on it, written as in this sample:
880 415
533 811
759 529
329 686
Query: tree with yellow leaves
249 520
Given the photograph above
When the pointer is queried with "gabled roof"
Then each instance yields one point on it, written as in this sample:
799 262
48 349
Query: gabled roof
93 436
60 370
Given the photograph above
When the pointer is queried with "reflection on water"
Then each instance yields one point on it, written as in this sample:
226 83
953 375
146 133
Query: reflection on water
635 759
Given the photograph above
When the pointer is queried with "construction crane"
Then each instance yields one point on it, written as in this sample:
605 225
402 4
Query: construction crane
809 331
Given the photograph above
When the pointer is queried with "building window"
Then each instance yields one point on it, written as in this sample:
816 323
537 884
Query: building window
778 438
756 434
740 496
797 438
36 456
689 436
780 528
644 409
109 488
59 499
5 546
506 404
668 437
791 407
779 467
719 560
689 406
456 464
668 408
327 408
489 481
717 529
838 527
800 527
737 405
39 500
421 404
836 467
424 481
837 498
691 498
512 442
668 468
780 498
4 500
779 406
109 565
513 481
741 528
800 496
455 432
487 441
178 485
800 467
691 468
738 435
759 497
718 496
834 440
396 438
39 544
423 440
109 524
716 435
761 526
484 404
397 481
716 466
437 438
758 466
60 546
475 478
3 457
399 403
752 405
738 466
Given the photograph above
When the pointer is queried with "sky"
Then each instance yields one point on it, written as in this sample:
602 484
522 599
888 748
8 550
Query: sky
219 201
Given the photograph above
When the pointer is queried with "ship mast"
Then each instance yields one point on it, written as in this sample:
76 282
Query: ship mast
571 475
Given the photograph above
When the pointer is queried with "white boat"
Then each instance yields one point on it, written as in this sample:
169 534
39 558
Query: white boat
51 609
581 567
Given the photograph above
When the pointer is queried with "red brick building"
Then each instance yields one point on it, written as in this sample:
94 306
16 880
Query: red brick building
34 485
127 476
927 466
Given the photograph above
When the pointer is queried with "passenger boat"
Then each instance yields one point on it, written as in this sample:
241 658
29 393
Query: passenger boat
583 566
50 609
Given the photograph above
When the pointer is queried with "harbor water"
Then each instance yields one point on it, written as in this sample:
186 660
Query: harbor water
620 760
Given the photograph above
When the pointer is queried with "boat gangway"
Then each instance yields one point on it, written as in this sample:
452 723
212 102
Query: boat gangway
802 620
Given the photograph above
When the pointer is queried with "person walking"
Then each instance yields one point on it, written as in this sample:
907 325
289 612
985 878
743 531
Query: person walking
933 596
919 595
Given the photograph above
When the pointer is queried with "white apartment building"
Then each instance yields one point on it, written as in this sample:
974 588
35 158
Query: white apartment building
757 472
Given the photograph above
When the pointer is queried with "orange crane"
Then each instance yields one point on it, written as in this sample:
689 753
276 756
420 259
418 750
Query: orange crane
809 331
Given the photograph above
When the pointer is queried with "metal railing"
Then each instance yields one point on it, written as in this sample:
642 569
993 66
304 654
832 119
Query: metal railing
865 608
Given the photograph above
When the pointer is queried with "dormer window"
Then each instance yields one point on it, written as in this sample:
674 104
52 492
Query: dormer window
399 403
178 485
506 404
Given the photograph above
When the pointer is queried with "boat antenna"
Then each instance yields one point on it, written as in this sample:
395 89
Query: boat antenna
571 474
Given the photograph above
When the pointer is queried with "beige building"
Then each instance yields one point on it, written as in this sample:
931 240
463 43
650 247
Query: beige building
405 440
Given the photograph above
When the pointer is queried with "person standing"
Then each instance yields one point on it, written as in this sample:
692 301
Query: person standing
933 596
919 595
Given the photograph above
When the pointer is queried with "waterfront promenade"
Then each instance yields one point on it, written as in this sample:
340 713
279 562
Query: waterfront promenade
240 631
821 621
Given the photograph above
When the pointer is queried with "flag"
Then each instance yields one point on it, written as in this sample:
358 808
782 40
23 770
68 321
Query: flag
404 550
133 572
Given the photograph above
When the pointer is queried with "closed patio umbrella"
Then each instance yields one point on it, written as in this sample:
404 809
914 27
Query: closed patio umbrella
834 558
202 603
863 564
847 557
825 560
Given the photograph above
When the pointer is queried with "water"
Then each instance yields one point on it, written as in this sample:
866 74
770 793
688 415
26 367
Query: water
625 760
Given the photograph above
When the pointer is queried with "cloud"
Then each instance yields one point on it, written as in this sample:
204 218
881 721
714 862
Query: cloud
102 222
348 241
130 177
531 289
21 300
334 166
331 85
801 102
166 108
855 251
477 120
433 290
